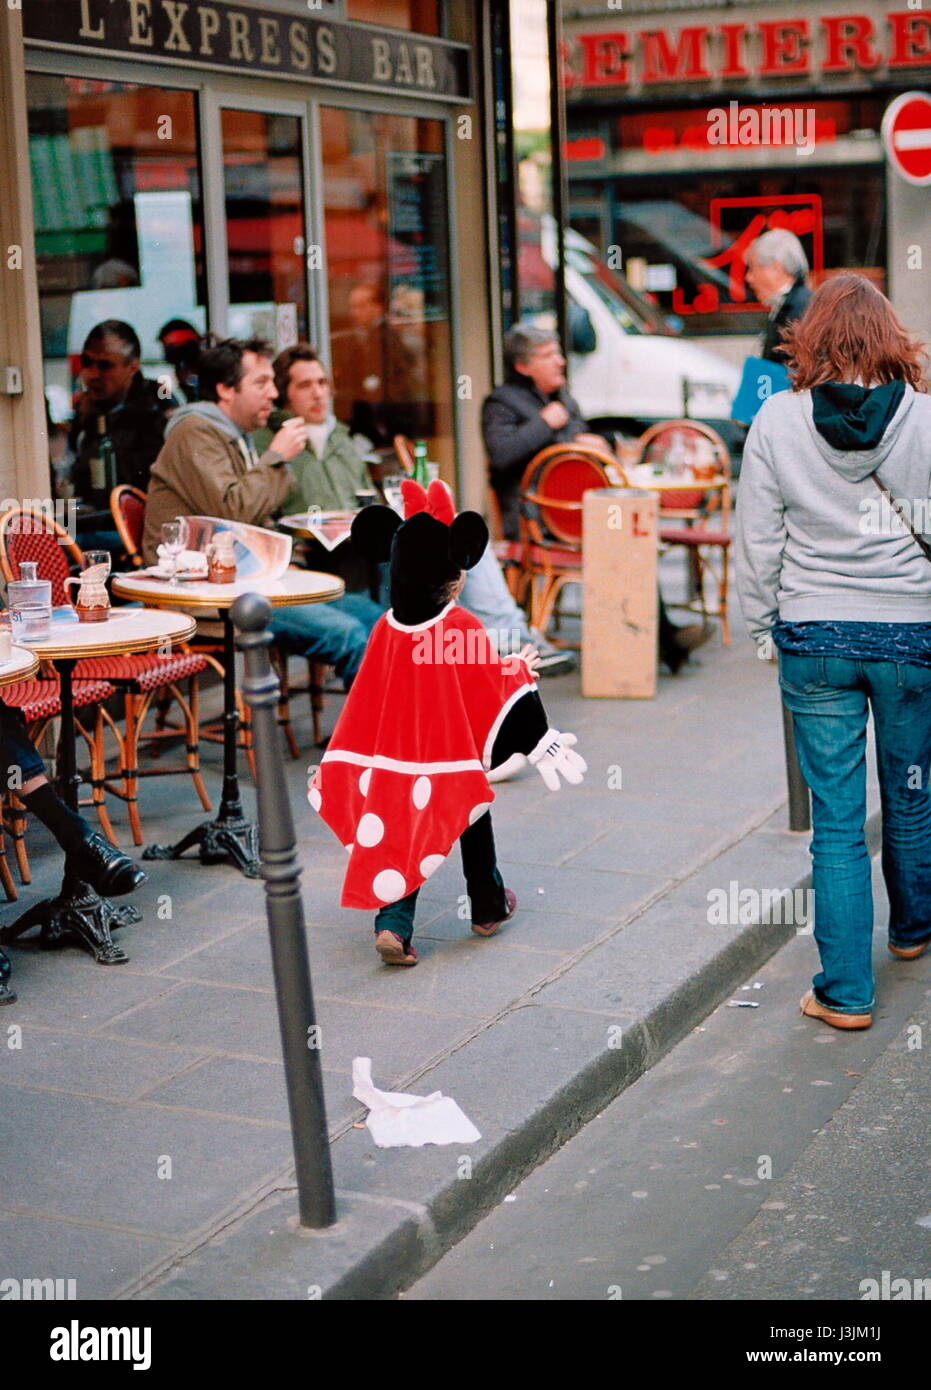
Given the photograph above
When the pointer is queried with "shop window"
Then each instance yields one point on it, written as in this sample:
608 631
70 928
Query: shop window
683 244
118 223
263 186
385 209
420 16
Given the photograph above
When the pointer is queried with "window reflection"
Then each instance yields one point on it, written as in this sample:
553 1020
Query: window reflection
386 235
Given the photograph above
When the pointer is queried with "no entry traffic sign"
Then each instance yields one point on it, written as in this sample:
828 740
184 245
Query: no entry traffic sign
906 132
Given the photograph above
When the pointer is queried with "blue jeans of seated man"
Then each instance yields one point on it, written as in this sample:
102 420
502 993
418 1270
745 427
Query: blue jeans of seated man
487 596
335 633
830 699
483 881
16 747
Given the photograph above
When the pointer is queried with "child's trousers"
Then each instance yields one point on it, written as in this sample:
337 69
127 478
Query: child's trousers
483 881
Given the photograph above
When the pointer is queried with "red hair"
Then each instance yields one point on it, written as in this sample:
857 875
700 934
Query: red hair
850 330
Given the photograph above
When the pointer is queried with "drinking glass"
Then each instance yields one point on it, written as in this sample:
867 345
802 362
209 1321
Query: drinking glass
173 537
98 557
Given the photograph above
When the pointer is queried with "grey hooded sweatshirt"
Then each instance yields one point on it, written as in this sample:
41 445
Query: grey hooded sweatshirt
815 539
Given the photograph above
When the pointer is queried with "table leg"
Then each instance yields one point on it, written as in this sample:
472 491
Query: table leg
78 913
230 837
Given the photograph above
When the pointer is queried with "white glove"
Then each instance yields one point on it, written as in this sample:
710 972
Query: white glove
553 755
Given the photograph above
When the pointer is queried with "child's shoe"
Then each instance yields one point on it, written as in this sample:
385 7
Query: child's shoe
489 928
393 950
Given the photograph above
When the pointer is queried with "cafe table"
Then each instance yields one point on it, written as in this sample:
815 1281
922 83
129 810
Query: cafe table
20 665
78 911
230 836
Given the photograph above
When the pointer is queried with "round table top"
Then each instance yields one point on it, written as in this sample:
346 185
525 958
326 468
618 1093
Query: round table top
294 586
21 665
643 476
126 630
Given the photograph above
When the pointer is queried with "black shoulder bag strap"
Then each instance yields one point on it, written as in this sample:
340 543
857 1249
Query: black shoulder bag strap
919 540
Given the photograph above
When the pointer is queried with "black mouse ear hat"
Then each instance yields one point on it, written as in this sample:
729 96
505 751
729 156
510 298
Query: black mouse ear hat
429 547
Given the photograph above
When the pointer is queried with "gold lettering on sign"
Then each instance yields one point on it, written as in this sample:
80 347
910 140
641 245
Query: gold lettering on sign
176 10
403 71
140 23
86 31
240 47
326 51
209 27
426 77
270 32
297 41
381 60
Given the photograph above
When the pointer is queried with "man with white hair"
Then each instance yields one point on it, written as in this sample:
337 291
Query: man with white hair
776 270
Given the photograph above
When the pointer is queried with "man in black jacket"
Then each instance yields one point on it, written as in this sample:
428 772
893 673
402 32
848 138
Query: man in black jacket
530 411
133 407
776 270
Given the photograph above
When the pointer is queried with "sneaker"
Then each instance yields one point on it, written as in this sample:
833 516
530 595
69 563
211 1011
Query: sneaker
813 1009
108 870
489 928
509 768
393 950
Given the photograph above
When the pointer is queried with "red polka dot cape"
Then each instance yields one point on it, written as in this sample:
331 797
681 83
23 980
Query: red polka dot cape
404 771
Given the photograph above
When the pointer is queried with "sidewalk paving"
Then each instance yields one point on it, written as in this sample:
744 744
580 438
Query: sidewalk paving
147 1151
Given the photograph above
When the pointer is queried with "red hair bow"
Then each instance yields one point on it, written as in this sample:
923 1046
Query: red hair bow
436 501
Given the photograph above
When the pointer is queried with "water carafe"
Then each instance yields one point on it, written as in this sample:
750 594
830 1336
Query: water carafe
30 605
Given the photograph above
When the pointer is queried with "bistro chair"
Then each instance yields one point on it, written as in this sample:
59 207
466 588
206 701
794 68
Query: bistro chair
551 493
139 678
404 452
702 512
39 702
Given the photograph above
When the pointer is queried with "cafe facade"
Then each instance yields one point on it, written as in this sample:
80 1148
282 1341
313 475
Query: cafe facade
249 168
693 127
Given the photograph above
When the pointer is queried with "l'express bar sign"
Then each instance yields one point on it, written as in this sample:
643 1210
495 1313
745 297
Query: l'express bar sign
216 34
644 57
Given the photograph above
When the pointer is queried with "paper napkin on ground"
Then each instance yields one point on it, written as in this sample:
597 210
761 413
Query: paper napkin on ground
395 1119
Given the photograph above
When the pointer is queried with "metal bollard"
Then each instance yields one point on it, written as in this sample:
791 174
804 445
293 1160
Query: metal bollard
285 909
799 797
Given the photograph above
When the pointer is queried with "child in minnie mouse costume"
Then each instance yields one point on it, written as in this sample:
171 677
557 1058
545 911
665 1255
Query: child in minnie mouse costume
432 710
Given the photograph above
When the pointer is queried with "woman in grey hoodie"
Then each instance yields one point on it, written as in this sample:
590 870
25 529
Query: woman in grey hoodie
834 570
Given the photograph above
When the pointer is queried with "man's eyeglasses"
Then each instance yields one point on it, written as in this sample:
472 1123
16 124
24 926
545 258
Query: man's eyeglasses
103 364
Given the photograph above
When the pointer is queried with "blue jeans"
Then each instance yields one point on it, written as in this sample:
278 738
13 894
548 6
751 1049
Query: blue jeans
334 633
487 596
830 699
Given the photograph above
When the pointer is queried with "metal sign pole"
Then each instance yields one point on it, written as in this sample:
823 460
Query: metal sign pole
280 870
799 797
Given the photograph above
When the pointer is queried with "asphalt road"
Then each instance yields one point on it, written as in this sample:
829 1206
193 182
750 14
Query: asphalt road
768 1156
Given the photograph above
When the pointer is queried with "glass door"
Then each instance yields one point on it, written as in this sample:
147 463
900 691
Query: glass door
265 224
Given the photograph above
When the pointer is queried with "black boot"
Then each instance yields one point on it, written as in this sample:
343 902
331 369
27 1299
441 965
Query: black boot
110 872
7 993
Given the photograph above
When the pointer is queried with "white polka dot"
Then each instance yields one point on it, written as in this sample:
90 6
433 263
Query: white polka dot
364 781
314 797
389 885
478 810
430 865
370 830
349 848
423 789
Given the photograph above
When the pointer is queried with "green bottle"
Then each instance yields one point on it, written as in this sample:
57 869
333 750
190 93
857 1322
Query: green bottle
420 463
102 465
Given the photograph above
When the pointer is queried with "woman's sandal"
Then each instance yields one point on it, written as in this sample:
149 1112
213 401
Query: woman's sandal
393 950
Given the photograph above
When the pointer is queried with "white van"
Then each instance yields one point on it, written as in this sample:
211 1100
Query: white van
626 369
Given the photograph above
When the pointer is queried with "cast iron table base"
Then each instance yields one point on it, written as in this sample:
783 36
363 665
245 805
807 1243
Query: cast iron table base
230 836
78 915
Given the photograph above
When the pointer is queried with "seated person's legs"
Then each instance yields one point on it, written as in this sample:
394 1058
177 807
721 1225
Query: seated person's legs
334 633
88 855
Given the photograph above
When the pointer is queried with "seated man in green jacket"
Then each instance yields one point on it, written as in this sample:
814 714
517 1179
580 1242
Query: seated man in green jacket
328 471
